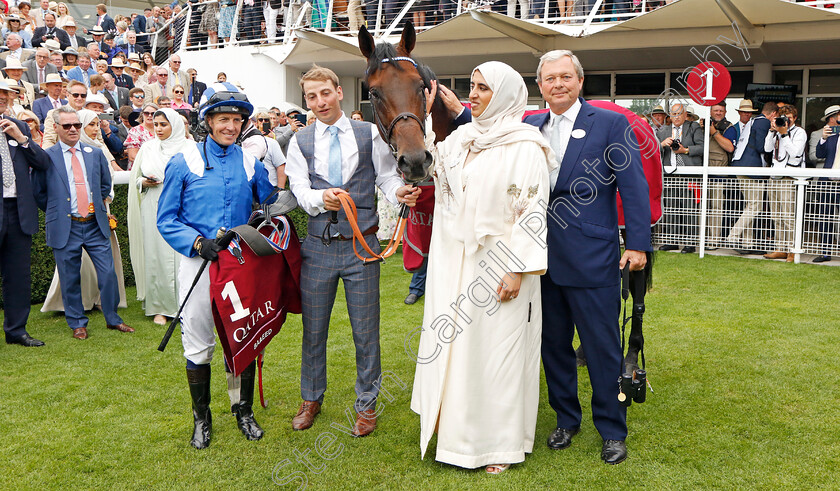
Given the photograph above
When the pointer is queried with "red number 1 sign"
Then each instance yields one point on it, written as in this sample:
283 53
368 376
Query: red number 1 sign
709 83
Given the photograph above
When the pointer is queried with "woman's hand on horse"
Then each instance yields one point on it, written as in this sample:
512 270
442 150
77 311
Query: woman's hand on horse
508 288
430 96
408 195
451 101
331 201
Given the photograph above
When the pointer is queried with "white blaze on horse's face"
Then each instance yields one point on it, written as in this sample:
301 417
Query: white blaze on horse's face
324 99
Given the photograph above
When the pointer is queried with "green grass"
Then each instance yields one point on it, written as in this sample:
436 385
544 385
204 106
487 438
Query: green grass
741 355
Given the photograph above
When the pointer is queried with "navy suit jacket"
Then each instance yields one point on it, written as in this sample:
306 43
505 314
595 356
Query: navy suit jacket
52 192
753 155
22 160
108 24
60 35
827 150
583 246
42 106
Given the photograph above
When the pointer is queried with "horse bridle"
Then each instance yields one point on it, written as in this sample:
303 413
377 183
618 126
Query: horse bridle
386 133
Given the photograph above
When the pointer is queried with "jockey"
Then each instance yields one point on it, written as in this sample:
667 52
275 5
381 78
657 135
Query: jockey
208 187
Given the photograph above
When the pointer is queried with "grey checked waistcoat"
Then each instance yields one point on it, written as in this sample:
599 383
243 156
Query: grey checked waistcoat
361 185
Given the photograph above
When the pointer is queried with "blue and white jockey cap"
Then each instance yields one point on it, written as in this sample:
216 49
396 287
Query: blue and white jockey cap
224 97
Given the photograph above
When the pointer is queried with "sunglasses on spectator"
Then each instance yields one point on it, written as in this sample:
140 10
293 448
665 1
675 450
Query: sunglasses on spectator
76 94
162 74
176 62
179 91
67 126
29 120
139 96
264 120
145 113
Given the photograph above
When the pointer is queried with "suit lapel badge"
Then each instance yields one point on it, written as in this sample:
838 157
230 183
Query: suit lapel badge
88 150
578 133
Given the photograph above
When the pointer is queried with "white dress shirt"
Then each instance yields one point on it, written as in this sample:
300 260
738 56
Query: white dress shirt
312 200
68 165
567 123
791 152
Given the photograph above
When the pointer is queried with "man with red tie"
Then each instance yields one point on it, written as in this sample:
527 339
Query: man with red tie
72 190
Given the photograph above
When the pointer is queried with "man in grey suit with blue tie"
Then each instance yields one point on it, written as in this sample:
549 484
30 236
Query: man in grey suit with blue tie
337 155
18 220
72 191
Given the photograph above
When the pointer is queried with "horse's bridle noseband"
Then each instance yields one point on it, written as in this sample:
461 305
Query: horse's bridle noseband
386 133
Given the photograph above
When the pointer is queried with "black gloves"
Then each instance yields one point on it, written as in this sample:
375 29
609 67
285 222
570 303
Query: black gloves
207 248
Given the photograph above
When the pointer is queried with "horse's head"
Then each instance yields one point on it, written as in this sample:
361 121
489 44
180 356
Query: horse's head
399 101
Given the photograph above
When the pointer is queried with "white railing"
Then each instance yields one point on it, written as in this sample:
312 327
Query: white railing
792 210
239 23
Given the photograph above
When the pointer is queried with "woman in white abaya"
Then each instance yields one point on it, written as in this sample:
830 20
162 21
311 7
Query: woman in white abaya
477 377
155 263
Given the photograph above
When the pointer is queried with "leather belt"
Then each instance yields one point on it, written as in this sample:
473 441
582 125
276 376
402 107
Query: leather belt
83 219
342 238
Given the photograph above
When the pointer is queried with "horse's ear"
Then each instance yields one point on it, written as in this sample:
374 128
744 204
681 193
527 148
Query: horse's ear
409 37
366 42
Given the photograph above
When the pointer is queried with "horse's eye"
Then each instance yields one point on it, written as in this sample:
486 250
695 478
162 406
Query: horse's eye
374 94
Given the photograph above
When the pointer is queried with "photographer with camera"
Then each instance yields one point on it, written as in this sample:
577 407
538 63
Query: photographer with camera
50 31
681 144
786 143
722 138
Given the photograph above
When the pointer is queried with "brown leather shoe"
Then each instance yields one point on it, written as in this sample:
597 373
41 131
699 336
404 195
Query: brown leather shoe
80 333
776 255
122 327
306 415
790 257
365 423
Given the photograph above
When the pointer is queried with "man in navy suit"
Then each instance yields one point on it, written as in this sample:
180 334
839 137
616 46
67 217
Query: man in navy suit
72 190
42 106
827 149
104 20
18 220
749 152
581 287
50 31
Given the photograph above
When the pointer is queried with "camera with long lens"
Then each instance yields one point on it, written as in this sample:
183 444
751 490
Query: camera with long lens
675 145
782 121
632 387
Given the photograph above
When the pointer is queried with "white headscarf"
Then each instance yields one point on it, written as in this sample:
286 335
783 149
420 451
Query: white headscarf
501 121
86 116
151 160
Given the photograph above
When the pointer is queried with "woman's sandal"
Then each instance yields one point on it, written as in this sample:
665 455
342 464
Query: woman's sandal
160 320
496 468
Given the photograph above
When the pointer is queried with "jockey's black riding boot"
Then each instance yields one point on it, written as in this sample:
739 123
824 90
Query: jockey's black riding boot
199 380
244 411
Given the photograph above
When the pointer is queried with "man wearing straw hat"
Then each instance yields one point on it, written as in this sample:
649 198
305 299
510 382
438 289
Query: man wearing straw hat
76 41
52 86
749 152
120 78
658 117
38 68
14 72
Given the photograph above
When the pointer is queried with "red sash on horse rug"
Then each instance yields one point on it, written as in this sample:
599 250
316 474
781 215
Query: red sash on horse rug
253 288
418 228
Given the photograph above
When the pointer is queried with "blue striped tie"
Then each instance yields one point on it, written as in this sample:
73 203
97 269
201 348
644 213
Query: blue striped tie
335 157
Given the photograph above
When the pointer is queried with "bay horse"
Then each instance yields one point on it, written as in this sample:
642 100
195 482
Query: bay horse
396 84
